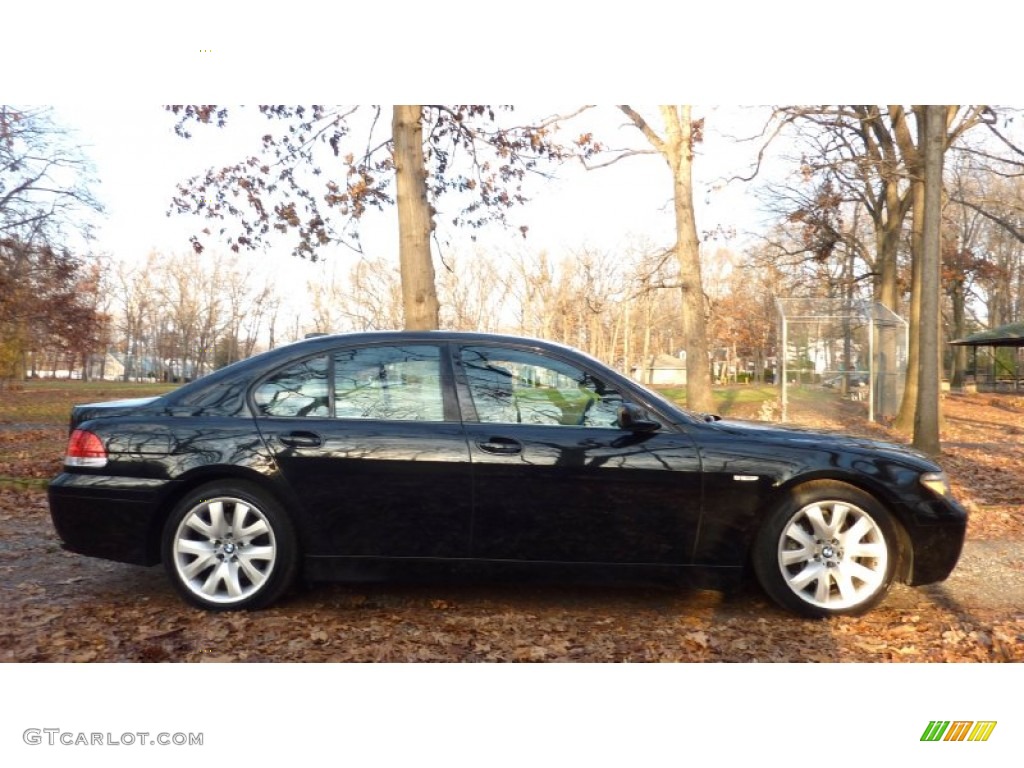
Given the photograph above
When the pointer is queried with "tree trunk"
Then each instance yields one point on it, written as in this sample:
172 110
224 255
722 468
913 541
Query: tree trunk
926 416
887 238
679 141
911 160
419 294
677 150
646 367
958 300
906 418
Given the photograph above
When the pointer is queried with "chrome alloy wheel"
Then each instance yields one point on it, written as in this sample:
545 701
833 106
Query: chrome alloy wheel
224 550
833 555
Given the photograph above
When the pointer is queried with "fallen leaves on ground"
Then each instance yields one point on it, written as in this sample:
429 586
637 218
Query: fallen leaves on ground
57 606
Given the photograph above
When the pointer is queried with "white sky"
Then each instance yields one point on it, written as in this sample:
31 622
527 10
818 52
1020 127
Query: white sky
109 71
139 160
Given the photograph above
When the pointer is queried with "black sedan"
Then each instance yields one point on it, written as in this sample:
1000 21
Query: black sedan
342 454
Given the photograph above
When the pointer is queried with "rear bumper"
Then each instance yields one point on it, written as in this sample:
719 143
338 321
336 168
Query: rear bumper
114 518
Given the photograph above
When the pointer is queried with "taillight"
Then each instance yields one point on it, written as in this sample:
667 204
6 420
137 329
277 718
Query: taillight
85 450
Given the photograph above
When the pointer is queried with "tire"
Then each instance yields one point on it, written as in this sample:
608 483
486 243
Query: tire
228 545
829 549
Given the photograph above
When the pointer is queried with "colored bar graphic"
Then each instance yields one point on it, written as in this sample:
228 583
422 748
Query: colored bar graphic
982 730
958 730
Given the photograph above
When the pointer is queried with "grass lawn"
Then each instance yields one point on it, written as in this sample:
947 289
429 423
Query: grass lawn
736 400
49 401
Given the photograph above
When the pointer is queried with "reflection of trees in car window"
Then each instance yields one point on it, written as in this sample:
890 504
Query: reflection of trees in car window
512 386
300 390
395 383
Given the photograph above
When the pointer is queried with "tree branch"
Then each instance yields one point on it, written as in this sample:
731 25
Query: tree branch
656 141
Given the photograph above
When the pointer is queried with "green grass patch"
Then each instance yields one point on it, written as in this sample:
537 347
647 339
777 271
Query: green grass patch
811 394
729 399
20 483
49 401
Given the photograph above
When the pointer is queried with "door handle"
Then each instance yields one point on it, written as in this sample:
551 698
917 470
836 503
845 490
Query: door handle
501 445
302 439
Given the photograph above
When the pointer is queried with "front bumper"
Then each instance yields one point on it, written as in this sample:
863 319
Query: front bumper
939 528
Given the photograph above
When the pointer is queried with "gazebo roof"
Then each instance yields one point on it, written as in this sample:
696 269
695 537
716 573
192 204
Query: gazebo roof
1010 335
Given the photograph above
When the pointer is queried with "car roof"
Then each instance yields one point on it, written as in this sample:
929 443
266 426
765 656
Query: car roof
266 361
314 343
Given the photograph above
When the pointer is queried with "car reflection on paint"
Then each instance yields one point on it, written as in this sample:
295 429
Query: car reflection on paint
341 453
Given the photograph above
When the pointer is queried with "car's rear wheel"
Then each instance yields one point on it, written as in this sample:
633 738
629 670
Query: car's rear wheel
829 549
229 545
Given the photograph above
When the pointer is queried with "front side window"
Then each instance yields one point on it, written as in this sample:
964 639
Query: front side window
392 383
510 386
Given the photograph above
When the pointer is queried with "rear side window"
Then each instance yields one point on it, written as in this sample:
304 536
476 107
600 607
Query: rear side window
297 391
391 383
383 383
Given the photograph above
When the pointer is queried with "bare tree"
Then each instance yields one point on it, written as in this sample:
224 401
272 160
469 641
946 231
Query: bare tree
45 179
368 297
434 151
874 155
45 198
675 145
245 304
473 295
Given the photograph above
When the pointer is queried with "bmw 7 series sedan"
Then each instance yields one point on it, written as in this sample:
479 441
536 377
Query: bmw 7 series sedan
340 454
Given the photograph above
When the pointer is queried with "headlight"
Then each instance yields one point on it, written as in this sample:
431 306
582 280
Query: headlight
936 482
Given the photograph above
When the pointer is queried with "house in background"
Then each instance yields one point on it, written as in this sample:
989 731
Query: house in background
662 371
111 367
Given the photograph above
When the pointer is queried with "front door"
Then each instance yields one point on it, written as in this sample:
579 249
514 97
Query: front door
554 476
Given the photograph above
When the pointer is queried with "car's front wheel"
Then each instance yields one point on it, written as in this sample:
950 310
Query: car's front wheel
829 549
229 545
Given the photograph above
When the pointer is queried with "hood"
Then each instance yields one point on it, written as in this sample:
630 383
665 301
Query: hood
816 438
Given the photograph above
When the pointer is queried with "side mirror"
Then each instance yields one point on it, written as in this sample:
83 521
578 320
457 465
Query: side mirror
635 420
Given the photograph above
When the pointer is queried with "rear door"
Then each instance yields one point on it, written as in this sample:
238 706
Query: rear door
369 439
